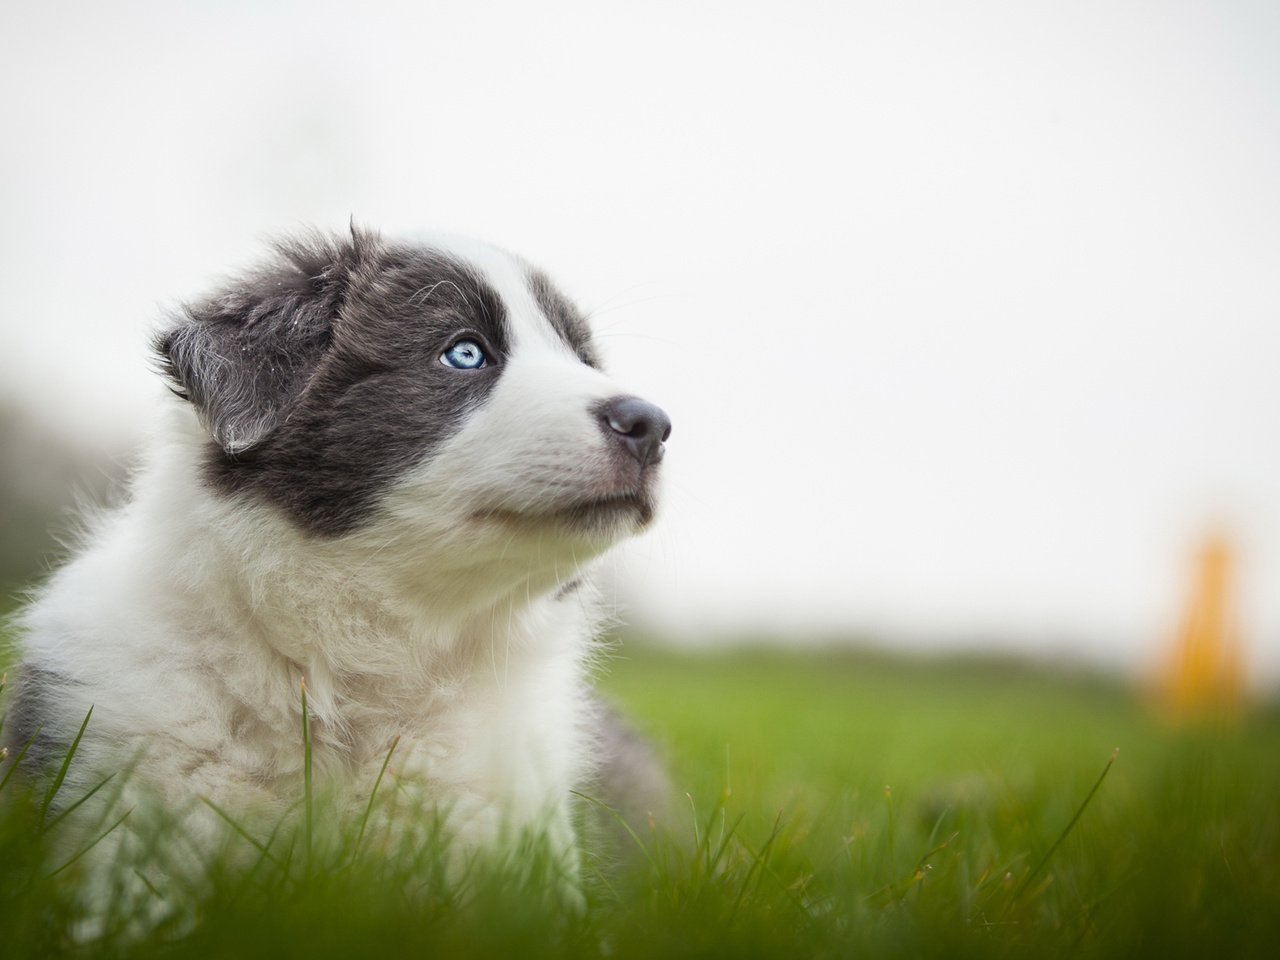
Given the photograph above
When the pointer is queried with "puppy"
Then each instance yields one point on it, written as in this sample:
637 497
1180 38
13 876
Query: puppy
384 472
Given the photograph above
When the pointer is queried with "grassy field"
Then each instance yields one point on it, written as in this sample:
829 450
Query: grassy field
830 805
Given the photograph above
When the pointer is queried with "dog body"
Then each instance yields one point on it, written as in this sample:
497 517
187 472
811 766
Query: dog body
385 473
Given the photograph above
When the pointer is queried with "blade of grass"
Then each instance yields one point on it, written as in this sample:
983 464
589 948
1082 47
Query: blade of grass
67 811
306 771
1026 881
893 857
727 834
622 822
97 840
899 888
155 892
373 794
18 759
693 809
766 869
262 848
711 860
245 884
62 771
757 862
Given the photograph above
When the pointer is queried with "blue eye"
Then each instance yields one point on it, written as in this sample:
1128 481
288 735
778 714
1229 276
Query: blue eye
464 355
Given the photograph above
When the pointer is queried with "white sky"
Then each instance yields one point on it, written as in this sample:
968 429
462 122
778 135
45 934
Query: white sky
967 315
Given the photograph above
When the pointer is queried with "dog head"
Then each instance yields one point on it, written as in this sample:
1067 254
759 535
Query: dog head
444 394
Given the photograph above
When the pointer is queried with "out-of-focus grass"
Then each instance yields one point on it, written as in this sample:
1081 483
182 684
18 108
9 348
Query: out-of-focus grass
830 805
917 797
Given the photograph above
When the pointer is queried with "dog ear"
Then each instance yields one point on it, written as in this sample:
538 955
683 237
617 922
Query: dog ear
244 356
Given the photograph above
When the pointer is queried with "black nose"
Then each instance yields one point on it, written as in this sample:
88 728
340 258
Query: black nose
639 425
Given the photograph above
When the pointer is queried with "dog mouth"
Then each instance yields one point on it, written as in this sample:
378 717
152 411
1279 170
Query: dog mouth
593 514
630 503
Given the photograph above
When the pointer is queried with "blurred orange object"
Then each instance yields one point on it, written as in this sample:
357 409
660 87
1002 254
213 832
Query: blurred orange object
1205 679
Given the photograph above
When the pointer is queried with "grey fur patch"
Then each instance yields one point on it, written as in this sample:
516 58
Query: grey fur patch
630 777
319 375
32 717
564 317
569 588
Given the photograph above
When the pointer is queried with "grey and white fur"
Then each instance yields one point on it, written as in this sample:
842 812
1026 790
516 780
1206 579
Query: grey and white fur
385 470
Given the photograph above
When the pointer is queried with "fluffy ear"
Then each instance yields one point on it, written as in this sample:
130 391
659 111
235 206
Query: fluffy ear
244 356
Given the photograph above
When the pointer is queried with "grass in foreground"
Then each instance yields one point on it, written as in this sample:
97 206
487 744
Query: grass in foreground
831 805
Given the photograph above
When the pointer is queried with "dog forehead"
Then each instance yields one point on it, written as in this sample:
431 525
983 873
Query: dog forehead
534 308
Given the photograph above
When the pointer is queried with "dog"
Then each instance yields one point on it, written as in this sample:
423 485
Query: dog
383 473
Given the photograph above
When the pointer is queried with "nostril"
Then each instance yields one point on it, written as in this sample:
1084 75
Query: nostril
628 428
639 425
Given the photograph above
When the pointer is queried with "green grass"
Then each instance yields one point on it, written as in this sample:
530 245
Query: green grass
874 763
830 805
